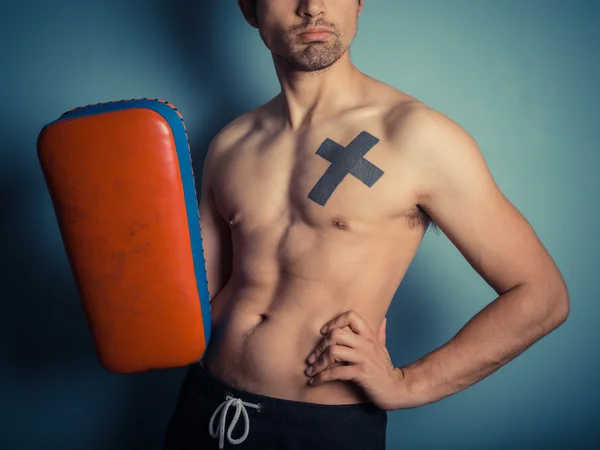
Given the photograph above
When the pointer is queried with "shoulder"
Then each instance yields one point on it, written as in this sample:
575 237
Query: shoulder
229 137
429 137
435 146
408 117
232 134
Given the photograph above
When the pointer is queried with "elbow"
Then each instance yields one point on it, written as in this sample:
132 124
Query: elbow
560 305
552 304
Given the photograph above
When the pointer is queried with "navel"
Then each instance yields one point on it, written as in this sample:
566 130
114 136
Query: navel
262 318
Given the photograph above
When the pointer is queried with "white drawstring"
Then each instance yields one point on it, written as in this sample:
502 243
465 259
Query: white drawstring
239 409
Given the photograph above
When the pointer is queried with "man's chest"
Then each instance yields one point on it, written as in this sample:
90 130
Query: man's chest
349 180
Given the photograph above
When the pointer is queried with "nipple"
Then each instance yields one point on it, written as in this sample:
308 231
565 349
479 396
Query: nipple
340 222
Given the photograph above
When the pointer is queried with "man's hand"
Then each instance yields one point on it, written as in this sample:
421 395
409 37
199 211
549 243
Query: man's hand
356 354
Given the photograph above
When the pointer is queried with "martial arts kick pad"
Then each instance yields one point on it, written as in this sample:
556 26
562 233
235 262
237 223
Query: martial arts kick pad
121 182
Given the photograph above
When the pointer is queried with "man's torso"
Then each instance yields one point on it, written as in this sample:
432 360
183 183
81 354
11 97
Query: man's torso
303 255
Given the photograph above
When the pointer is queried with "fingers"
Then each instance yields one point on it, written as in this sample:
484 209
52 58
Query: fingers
335 337
348 373
348 341
338 347
350 318
333 354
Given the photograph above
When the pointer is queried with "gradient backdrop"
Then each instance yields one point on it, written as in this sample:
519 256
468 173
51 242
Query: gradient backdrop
520 75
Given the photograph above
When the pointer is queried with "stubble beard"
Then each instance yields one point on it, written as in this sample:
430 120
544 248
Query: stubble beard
315 56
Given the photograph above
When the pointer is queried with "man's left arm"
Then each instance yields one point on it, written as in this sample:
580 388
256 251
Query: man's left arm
460 195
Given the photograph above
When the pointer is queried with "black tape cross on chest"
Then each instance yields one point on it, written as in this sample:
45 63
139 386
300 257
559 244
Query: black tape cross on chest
344 161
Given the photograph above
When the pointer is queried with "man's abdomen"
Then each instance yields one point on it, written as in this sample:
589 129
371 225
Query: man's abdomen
262 336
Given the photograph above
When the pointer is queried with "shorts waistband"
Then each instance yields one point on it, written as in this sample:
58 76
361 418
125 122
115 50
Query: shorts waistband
361 414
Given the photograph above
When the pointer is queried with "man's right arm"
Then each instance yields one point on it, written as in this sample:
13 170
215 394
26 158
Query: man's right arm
216 235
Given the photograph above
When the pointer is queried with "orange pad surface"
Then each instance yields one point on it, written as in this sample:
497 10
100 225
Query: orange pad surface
119 178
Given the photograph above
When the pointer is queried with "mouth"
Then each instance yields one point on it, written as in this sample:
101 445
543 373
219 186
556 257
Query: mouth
316 34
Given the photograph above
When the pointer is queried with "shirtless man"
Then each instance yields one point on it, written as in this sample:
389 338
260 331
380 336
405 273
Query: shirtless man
312 208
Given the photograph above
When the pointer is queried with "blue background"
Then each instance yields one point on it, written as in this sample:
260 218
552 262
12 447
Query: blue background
520 76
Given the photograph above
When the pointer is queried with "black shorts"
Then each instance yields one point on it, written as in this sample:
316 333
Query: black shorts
244 420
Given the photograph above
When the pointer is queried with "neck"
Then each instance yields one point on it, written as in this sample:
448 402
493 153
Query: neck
308 97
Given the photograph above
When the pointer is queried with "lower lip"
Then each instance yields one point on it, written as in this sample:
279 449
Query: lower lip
320 36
